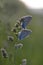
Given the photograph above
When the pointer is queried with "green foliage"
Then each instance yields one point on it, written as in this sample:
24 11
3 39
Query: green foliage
10 11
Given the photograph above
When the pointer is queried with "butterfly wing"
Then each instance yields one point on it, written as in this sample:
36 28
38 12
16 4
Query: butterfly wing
25 21
24 33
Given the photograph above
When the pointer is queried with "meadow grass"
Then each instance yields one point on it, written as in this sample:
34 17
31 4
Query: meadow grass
32 46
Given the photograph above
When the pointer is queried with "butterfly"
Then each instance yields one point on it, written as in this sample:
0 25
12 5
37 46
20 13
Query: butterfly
24 33
25 21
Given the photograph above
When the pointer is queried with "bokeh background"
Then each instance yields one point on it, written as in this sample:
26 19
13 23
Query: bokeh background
10 12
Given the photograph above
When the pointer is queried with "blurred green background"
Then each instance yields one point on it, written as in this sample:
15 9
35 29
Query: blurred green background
10 12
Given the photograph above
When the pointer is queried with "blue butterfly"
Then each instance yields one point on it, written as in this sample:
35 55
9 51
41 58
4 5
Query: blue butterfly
23 34
25 21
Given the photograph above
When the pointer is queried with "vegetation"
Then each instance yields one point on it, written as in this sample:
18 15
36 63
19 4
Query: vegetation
10 12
